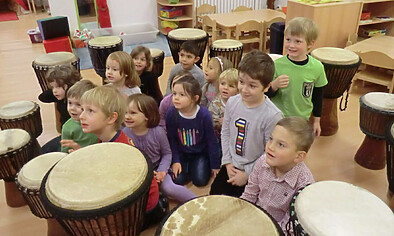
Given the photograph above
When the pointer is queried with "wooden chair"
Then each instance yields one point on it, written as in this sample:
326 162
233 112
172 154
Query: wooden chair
209 26
202 10
267 25
253 32
241 8
351 39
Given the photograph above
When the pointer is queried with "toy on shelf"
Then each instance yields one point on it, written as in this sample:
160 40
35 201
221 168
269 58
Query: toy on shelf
170 12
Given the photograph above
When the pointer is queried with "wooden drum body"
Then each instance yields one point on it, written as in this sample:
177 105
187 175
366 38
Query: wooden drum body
99 50
329 208
178 36
340 65
218 215
376 113
47 61
227 48
158 62
390 156
101 189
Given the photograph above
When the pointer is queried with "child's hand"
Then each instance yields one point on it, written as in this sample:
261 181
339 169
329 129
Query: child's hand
316 126
221 122
159 175
71 144
281 81
176 169
239 179
230 170
215 172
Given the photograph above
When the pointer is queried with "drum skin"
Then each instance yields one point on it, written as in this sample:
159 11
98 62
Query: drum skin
227 48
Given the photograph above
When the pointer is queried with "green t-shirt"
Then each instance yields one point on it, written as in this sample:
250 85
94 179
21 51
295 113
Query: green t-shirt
296 98
73 130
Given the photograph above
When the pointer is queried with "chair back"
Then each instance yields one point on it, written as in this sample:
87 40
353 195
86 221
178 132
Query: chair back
241 8
202 10
267 25
209 26
250 32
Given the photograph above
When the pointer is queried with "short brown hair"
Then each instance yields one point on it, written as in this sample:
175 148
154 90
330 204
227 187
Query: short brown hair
141 49
301 129
259 66
126 67
63 75
148 106
79 88
302 26
190 47
190 85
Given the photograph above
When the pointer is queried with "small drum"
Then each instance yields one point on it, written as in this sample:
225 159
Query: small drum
158 61
178 36
227 48
376 113
338 208
22 115
99 50
47 61
218 215
340 66
101 189
390 156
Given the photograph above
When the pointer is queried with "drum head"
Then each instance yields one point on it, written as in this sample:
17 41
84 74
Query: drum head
96 176
226 44
32 173
338 208
55 59
379 100
17 109
187 34
154 52
275 56
335 56
104 41
13 139
218 215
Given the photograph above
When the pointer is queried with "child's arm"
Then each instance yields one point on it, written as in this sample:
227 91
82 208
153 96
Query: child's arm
317 101
225 136
173 141
47 96
211 140
216 115
166 155
281 81
252 189
170 78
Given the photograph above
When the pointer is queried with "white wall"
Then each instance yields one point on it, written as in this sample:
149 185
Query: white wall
125 12
65 8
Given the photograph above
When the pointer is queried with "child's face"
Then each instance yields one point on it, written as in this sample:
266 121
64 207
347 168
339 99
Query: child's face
74 108
93 120
112 72
58 91
181 100
211 71
187 60
296 47
226 89
140 62
251 90
134 118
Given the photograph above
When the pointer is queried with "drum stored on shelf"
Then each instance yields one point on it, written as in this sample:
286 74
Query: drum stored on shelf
157 62
227 48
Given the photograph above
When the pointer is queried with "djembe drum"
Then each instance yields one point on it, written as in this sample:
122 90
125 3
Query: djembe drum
178 36
218 215
101 189
16 149
28 181
376 113
158 62
390 156
227 48
330 208
99 50
340 66
47 61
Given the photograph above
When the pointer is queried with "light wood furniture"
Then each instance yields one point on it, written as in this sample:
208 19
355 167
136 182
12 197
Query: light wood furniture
250 32
202 10
241 8
378 54
185 21
266 36
33 5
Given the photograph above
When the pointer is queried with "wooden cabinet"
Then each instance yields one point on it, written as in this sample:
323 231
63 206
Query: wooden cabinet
185 21
382 15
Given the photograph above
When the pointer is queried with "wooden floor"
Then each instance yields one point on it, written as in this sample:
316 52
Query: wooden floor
330 158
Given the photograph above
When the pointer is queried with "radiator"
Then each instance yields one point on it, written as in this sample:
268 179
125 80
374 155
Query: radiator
223 6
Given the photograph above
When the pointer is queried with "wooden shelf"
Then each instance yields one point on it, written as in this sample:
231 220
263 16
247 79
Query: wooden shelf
185 21
179 18
375 76
181 3
376 21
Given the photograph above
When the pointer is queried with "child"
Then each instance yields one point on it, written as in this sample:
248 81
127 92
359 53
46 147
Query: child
120 72
72 135
188 56
299 77
215 67
143 64
280 172
248 121
141 120
195 150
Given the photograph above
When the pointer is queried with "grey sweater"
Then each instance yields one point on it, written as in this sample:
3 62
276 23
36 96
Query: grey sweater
197 73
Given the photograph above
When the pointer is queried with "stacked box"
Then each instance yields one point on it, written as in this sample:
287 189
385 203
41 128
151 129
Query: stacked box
53 27
170 12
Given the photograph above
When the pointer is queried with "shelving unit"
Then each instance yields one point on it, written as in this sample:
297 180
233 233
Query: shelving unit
379 8
185 21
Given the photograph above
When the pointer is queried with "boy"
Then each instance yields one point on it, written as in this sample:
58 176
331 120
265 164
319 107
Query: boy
188 56
298 87
248 121
281 172
72 135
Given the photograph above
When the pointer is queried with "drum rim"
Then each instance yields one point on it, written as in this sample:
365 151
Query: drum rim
227 40
65 53
337 49
36 108
170 36
389 134
373 108
293 215
165 218
107 36
46 67
7 154
11 153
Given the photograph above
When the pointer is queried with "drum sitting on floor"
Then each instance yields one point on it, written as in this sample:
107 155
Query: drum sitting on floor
330 208
218 215
376 113
47 61
99 50
340 66
178 36
100 189
158 62
227 48
390 156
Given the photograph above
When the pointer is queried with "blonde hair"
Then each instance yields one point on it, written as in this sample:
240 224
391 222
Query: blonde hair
141 49
79 88
301 129
221 64
231 76
302 26
126 68
109 100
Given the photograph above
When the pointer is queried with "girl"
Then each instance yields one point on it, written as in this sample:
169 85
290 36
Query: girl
215 67
143 64
141 120
195 150
120 72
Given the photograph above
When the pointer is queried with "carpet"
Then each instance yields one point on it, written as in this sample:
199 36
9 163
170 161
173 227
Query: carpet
8 16
160 43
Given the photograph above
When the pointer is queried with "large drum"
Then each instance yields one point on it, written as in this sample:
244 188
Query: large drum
227 48
23 115
28 181
340 66
218 215
330 208
100 189
390 156
157 62
99 50
376 113
47 61
178 36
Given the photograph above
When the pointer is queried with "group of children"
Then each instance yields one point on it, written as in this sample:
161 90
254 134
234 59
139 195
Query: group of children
219 122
